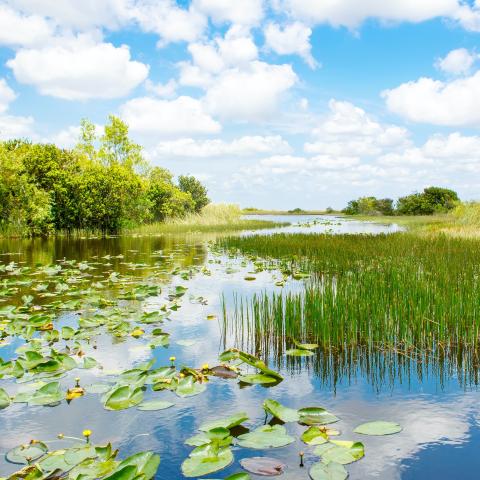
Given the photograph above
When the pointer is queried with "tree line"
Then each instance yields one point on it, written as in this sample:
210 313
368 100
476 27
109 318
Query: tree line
104 184
431 200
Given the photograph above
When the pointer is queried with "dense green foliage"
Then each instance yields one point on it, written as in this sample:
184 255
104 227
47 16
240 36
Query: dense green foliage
431 200
103 184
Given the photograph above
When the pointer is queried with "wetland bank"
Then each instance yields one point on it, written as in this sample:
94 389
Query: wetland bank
129 340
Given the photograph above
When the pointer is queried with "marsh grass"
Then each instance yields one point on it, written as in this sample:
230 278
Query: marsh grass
213 218
390 299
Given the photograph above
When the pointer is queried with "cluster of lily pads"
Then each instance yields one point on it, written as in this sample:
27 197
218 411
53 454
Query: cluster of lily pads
77 460
213 445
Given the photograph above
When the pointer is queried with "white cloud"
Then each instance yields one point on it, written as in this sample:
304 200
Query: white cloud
168 20
166 90
184 115
249 94
292 39
349 131
240 12
12 126
291 164
351 13
239 147
452 103
22 30
7 95
457 62
79 69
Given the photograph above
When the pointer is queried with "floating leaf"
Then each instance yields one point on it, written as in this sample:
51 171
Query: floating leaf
340 451
276 409
306 346
220 435
266 437
264 466
378 428
206 459
257 378
49 394
141 465
297 352
123 397
316 416
4 399
329 471
228 422
22 453
154 405
314 436
188 387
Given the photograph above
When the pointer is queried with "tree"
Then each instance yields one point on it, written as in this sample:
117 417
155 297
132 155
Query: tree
189 184
117 148
370 206
166 199
431 200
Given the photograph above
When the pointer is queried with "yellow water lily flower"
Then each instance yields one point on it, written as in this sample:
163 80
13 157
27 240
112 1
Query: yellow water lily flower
205 366
87 433
138 332
172 359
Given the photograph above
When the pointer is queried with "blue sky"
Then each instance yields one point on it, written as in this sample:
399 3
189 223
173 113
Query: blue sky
272 103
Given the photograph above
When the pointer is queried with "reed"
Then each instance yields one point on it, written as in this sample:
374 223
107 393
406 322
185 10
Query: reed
401 297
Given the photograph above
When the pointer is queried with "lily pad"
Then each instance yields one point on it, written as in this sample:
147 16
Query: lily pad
340 451
306 346
266 437
154 405
228 422
32 451
298 352
4 399
257 378
316 416
207 459
378 428
188 387
123 397
276 409
329 471
263 466
314 436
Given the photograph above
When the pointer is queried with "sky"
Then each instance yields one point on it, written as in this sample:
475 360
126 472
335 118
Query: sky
271 103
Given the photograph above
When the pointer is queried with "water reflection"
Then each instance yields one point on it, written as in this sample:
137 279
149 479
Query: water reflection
427 398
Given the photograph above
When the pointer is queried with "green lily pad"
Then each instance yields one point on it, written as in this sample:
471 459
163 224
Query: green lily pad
257 378
378 428
329 471
306 346
316 416
188 387
206 459
297 352
49 394
154 405
220 435
228 422
340 451
276 409
141 465
4 399
266 437
32 451
314 436
123 397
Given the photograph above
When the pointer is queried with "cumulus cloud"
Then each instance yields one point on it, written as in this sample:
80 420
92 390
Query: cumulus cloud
162 89
239 147
457 62
349 130
7 95
79 69
351 13
291 39
13 126
250 94
168 20
184 115
17 29
244 12
450 103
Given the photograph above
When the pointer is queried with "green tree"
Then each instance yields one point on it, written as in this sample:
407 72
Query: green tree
431 200
166 199
194 187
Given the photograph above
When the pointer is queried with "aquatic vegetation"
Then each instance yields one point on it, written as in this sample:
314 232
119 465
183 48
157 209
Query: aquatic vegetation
378 428
79 460
385 300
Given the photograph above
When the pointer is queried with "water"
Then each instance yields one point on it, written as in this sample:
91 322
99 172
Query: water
438 412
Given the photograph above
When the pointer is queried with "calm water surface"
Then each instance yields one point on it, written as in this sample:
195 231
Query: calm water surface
440 413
